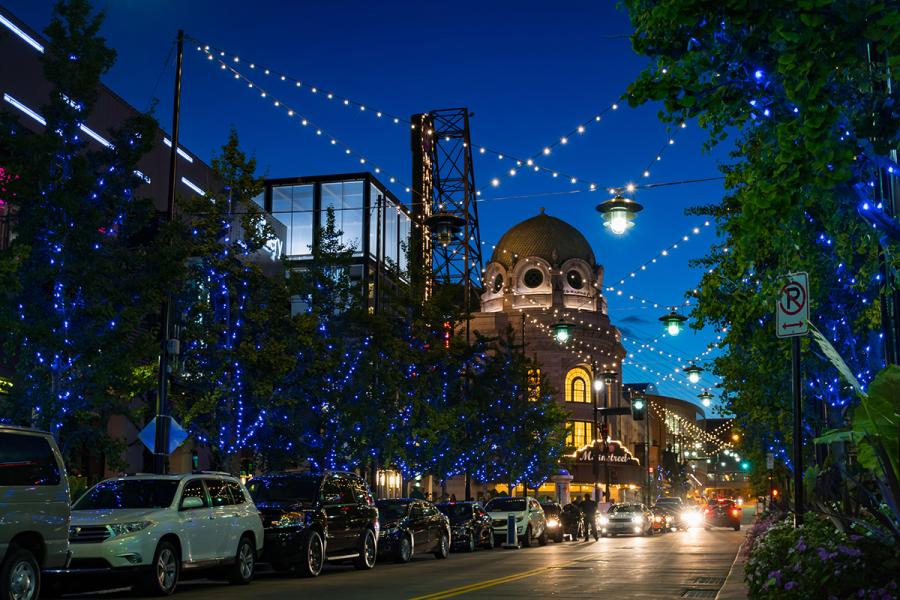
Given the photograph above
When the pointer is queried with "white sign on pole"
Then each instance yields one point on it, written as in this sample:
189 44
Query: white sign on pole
770 461
792 308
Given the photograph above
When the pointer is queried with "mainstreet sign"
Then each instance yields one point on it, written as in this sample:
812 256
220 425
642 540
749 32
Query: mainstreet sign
792 308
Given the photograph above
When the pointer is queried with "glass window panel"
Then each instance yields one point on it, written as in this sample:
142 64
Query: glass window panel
346 198
405 227
374 192
292 205
391 230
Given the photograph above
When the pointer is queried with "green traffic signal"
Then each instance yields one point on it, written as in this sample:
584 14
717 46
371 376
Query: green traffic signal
745 466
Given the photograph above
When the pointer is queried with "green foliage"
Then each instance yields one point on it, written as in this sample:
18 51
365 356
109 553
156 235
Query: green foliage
75 287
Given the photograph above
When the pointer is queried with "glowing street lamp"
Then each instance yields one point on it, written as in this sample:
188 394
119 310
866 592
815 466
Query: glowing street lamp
619 213
673 322
693 373
444 226
561 331
705 398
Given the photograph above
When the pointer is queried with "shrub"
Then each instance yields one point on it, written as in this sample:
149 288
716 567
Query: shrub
816 561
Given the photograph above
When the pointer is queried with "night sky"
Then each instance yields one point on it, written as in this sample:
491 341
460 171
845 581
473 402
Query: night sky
530 71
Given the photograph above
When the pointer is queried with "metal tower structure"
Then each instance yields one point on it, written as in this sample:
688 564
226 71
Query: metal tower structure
444 200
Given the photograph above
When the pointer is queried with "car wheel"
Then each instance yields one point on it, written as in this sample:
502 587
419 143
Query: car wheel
470 542
314 551
443 548
489 543
368 552
163 576
404 550
526 540
559 538
542 539
241 572
737 527
21 575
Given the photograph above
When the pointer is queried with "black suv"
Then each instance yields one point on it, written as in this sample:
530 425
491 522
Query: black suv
470 525
314 517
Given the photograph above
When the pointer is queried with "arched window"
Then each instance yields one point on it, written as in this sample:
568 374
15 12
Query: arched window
577 386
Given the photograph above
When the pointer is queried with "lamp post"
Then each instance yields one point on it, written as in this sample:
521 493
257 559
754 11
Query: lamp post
595 443
608 377
619 213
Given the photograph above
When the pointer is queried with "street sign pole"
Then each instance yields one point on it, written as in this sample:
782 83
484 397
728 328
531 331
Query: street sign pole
798 433
792 321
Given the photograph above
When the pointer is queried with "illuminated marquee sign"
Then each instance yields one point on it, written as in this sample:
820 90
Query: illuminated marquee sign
618 454
5 385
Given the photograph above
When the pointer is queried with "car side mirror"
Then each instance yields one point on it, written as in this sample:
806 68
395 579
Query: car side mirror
191 502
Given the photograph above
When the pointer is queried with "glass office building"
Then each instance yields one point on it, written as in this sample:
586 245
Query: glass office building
372 220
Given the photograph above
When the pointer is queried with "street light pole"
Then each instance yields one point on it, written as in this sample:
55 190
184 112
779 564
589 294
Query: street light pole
161 441
609 377
595 460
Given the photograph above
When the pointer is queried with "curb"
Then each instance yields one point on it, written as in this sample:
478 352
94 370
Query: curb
734 587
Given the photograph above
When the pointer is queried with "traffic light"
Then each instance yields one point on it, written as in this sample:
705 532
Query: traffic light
745 466
775 493
638 408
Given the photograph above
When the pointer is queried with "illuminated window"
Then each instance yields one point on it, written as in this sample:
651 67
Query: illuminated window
578 433
577 387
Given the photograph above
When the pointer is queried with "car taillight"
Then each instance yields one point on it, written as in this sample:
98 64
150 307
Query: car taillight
735 512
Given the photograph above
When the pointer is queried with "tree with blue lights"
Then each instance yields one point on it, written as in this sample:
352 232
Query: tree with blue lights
805 87
237 336
76 284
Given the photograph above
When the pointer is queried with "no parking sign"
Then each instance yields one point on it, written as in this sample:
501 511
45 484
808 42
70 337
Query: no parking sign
792 308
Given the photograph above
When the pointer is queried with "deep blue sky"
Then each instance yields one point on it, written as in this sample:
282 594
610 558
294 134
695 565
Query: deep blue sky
529 70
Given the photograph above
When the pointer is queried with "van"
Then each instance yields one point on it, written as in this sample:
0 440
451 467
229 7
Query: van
34 511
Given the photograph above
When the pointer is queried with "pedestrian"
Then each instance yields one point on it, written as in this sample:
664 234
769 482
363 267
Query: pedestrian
417 494
589 508
452 497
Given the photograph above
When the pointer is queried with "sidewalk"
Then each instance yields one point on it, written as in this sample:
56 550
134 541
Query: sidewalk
734 587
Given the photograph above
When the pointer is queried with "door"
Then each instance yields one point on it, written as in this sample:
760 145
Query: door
484 523
536 514
199 539
418 525
225 516
336 503
434 522
361 514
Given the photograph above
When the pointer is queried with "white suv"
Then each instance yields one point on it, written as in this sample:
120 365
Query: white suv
157 525
531 523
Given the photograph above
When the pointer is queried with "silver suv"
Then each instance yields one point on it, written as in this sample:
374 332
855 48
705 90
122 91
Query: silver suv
34 511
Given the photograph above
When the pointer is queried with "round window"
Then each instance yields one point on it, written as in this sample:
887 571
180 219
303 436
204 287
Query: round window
533 278
498 283
575 280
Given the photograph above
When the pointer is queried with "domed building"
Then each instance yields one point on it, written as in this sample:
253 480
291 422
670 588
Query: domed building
542 270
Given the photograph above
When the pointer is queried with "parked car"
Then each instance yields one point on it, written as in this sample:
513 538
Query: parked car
722 512
553 515
151 527
626 518
410 526
690 516
530 519
677 508
662 518
572 522
311 518
470 525
34 511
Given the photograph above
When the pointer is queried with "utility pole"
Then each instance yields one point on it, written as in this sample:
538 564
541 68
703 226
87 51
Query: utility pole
798 432
168 346
595 450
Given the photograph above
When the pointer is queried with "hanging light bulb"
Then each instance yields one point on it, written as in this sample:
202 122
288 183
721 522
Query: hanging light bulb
561 331
444 226
673 322
619 213
705 398
693 373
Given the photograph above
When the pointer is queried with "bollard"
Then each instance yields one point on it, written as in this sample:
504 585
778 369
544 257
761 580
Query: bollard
512 540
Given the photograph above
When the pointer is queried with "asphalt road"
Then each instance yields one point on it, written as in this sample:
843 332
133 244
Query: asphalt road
680 564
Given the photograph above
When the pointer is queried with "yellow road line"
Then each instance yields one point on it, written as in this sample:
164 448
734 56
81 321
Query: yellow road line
472 587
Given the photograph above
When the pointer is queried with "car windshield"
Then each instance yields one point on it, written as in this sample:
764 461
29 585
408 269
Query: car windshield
669 501
456 512
284 489
551 509
625 508
129 493
505 505
391 510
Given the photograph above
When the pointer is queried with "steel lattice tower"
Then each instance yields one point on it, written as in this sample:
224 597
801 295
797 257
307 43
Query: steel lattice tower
444 199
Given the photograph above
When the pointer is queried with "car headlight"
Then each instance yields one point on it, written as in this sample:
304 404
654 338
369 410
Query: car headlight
126 528
552 522
658 519
290 519
604 520
637 519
